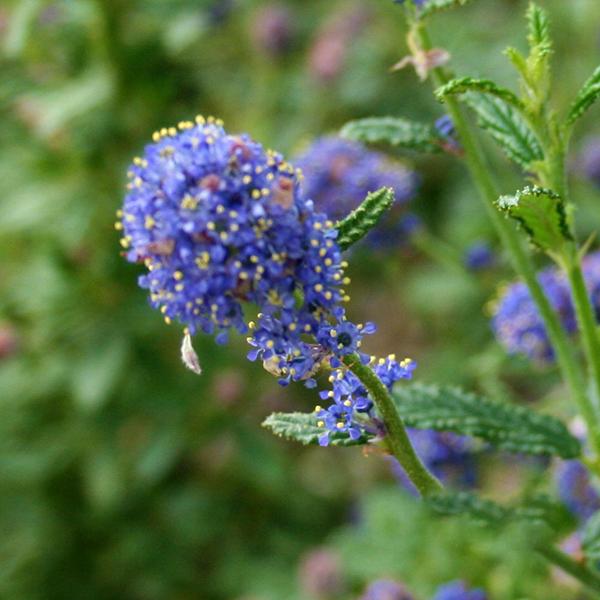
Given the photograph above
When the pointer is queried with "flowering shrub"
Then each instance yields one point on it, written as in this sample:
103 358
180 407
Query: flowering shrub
234 238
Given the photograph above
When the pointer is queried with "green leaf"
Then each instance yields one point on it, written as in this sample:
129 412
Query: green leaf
466 503
463 85
540 511
507 128
542 214
539 30
508 427
434 6
591 539
361 220
394 131
587 95
303 428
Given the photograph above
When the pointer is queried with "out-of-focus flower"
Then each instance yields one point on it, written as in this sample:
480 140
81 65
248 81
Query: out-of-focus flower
338 174
479 256
219 10
320 574
329 53
457 590
589 160
9 341
518 325
386 589
272 29
575 489
450 457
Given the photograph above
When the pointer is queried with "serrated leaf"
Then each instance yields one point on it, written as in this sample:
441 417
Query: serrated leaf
361 220
507 128
542 214
508 427
591 539
540 511
303 428
466 503
539 29
435 6
463 85
395 131
588 94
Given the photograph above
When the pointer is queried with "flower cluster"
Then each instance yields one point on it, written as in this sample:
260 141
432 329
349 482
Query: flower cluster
339 173
517 322
575 489
386 589
220 223
518 325
457 590
351 411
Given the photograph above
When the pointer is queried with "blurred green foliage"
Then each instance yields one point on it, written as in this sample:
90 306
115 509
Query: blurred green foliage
122 474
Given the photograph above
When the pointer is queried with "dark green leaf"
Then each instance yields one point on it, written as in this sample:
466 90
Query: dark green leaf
587 95
542 214
507 128
303 428
539 511
361 220
591 539
394 131
484 86
434 6
467 503
508 427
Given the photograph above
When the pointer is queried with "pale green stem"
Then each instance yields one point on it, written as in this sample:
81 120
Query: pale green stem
439 251
396 438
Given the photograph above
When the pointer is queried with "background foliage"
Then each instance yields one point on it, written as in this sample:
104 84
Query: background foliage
126 476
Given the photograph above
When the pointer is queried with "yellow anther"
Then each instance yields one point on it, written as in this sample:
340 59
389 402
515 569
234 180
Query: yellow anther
210 226
320 423
318 408
179 287
270 344
178 275
339 425
292 326
255 194
168 320
346 281
347 403
149 222
118 225
318 287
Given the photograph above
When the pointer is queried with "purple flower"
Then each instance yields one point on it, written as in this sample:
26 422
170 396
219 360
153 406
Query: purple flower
386 589
589 160
575 489
457 590
517 323
272 29
479 256
338 174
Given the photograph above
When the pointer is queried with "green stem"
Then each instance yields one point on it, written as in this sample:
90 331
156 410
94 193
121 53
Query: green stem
397 439
577 570
522 264
586 319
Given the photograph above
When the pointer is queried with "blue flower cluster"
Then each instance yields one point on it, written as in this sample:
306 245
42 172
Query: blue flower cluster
575 489
517 323
220 224
351 411
416 2
386 589
338 174
457 590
